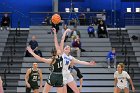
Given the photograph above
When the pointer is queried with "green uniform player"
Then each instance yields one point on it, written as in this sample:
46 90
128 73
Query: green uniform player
31 79
56 79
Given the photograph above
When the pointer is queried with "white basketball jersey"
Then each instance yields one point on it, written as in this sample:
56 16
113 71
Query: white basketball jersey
121 78
66 61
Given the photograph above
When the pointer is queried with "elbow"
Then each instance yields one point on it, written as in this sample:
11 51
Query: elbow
25 79
41 79
63 38
41 60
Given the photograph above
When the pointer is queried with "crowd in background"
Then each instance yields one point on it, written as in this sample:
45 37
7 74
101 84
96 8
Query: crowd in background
96 29
5 22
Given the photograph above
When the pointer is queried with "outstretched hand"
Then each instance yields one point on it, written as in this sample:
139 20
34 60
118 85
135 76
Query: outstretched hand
29 49
92 63
133 89
68 30
28 85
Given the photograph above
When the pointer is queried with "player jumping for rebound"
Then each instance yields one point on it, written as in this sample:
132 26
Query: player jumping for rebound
67 60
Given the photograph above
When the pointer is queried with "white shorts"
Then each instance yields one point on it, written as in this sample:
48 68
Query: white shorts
67 78
122 86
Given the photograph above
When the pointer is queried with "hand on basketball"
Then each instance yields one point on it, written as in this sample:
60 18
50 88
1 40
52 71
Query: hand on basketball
92 63
29 49
54 30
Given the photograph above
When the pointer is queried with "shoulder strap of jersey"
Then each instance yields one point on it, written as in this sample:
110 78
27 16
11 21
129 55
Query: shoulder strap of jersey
61 58
37 70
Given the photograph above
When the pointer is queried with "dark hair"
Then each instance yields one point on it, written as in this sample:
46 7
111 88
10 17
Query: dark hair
54 53
113 49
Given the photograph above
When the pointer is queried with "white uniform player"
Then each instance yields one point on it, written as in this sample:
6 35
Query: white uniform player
67 77
122 79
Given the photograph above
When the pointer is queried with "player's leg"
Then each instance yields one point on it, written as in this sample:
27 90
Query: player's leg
126 90
35 87
60 90
65 89
73 86
28 90
71 83
36 91
69 90
47 88
59 83
117 90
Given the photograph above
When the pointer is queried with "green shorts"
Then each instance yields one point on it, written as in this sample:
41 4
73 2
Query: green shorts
55 79
34 85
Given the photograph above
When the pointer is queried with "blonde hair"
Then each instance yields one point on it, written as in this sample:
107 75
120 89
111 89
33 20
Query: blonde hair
122 65
35 63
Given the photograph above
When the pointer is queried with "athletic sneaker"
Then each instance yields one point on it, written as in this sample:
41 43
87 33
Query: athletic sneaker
108 66
1 28
8 28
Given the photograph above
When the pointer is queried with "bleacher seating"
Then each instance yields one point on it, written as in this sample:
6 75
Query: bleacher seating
12 57
130 50
3 39
98 79
95 78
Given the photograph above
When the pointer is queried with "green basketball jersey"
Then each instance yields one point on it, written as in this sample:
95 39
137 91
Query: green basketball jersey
58 65
33 76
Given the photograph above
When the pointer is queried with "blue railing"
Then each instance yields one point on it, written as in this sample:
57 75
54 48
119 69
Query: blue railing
132 19
36 18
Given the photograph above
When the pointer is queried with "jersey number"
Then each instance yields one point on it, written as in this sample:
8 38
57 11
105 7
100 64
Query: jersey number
59 64
121 81
67 62
34 77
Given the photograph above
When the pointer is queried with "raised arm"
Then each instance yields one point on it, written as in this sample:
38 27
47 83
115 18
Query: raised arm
48 61
63 39
76 61
55 39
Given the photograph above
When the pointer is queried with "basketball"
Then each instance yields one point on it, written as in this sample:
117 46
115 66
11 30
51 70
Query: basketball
56 19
